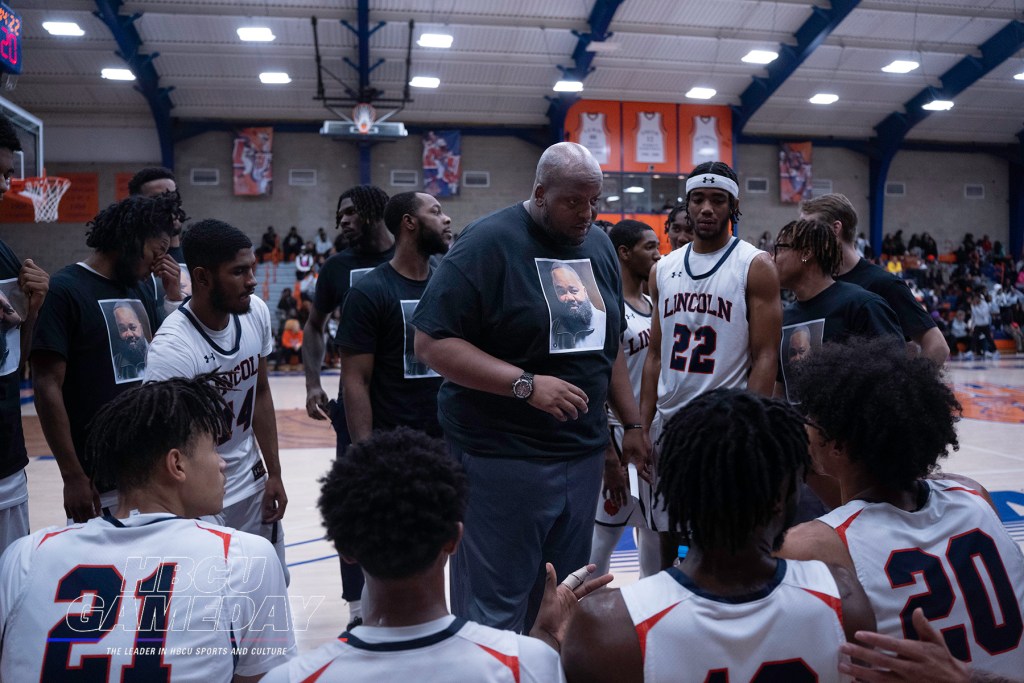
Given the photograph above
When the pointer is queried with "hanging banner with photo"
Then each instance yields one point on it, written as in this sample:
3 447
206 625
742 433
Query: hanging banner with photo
251 157
442 162
794 172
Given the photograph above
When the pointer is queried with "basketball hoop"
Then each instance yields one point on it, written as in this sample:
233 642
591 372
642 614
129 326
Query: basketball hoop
363 115
45 194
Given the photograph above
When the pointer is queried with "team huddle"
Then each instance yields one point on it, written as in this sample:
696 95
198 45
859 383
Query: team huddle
583 384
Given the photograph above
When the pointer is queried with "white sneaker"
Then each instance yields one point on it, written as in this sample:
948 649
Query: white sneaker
995 355
968 355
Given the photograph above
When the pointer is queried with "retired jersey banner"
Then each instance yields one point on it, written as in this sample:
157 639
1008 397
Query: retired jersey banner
442 162
794 172
251 157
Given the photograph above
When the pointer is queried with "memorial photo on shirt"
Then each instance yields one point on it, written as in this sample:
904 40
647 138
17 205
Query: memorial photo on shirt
129 335
575 307
799 341
414 369
13 311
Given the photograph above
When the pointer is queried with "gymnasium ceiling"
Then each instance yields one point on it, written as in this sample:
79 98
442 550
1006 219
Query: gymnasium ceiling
505 57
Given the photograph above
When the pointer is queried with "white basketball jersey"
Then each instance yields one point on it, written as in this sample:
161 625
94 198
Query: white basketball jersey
594 136
153 598
954 559
650 138
704 329
635 342
789 631
705 140
184 347
440 651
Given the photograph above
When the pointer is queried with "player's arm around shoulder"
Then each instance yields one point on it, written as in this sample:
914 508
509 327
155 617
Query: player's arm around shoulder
601 643
857 612
764 310
815 540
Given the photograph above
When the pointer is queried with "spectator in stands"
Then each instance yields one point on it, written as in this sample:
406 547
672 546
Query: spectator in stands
286 307
960 332
323 245
292 244
291 343
981 327
985 244
304 261
267 244
862 246
898 247
928 246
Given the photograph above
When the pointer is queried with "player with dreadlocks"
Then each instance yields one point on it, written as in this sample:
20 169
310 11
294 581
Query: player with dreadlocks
360 217
730 466
79 333
917 538
718 317
163 585
678 227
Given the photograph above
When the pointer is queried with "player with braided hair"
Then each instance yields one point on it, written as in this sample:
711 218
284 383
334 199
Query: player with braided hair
162 586
79 345
360 217
718 316
917 537
395 503
730 465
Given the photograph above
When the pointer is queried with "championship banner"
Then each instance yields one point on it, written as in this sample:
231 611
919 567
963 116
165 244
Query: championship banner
251 157
442 162
794 172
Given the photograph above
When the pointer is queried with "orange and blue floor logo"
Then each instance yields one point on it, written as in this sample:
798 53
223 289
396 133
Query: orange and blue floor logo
991 402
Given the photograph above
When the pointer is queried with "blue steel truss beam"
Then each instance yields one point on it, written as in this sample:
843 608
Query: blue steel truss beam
1003 45
367 93
1017 198
599 21
808 37
147 80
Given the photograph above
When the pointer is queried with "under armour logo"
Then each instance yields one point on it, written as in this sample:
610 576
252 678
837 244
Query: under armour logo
709 180
209 359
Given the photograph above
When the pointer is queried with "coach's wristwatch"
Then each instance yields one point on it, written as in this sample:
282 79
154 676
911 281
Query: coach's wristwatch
522 388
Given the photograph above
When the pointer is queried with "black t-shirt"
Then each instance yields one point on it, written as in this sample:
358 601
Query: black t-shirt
495 290
340 272
913 319
13 310
840 311
377 319
102 330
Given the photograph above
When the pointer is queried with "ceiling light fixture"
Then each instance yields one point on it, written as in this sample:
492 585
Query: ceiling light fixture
760 57
255 34
63 28
613 198
938 105
439 40
117 75
568 86
701 93
634 189
425 82
824 98
900 66
275 78
1019 77
603 46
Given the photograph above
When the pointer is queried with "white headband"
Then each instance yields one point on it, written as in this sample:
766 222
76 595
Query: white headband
713 181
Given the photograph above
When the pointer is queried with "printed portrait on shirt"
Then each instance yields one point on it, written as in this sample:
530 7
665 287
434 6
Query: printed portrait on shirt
13 310
414 369
576 311
129 334
799 341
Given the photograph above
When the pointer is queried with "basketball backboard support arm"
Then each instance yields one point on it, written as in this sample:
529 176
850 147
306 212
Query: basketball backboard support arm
31 125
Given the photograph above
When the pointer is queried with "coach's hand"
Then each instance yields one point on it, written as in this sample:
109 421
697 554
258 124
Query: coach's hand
34 282
560 602
316 404
169 272
81 499
616 484
559 398
274 499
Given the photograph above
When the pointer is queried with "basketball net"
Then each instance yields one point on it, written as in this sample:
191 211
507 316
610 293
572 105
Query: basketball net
45 194
363 115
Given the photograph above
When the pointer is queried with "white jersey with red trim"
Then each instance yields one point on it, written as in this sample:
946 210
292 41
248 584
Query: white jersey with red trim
439 651
636 342
152 598
954 559
790 630
702 309
184 347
